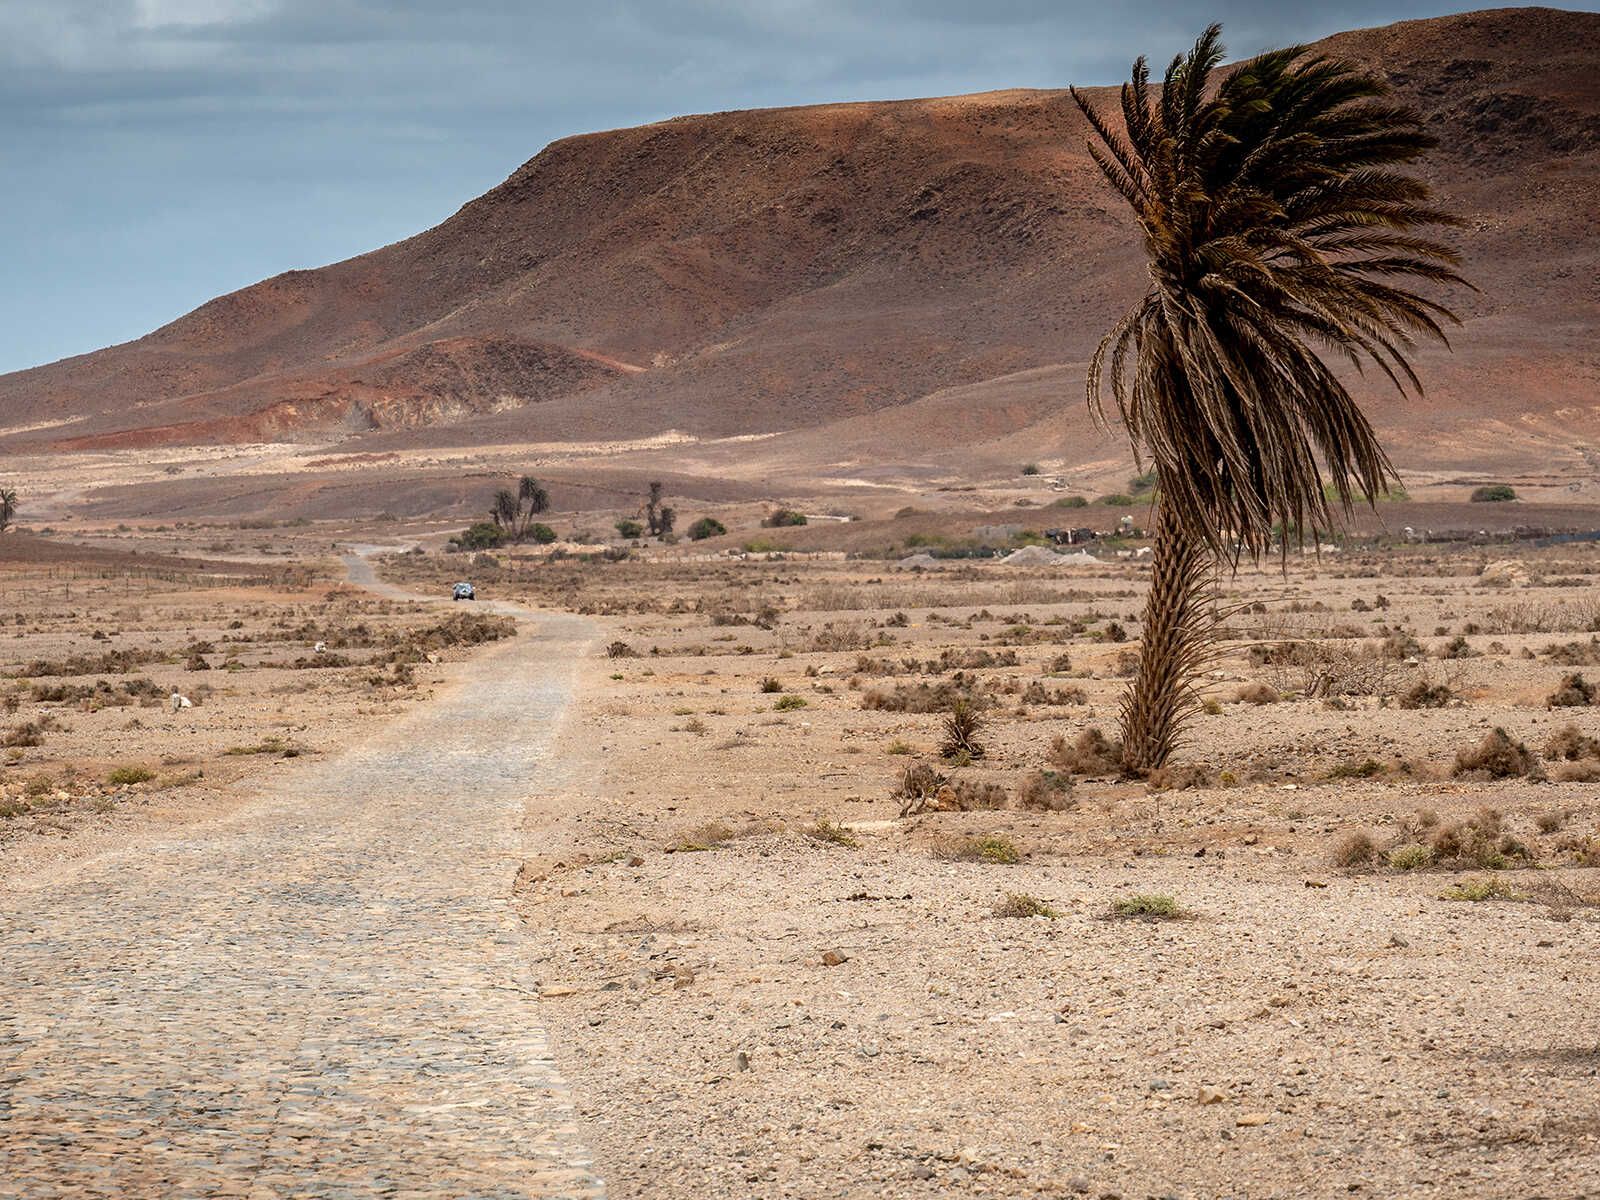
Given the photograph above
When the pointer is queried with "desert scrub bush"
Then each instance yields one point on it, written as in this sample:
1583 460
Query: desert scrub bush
1410 856
782 517
897 747
1457 647
921 697
831 834
1040 696
621 649
706 527
1351 768
1571 744
961 729
1551 821
133 774
991 848
1484 888
1425 694
1574 654
1573 692
29 733
1178 777
769 685
1090 753
1479 841
1072 502
1357 849
1493 493
1211 708
1148 905
917 788
1045 791
789 703
1257 693
1116 500
1496 757
1019 904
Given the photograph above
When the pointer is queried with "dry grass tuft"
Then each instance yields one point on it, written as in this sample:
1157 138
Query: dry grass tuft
1574 692
1018 904
1257 693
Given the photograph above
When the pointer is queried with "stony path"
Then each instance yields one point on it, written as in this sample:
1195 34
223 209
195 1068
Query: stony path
322 996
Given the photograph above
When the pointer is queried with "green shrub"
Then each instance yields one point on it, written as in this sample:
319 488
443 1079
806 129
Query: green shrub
1115 500
781 517
832 834
541 533
1140 484
484 535
1146 905
627 528
1030 468
1410 857
706 527
120 775
1494 493
998 851
1073 502
789 703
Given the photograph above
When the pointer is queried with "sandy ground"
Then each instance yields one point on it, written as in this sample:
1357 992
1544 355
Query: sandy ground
1301 1029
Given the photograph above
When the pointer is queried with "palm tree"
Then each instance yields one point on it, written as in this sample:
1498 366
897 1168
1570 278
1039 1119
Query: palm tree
8 507
1276 227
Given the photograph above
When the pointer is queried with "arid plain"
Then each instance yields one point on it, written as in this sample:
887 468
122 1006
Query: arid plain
787 942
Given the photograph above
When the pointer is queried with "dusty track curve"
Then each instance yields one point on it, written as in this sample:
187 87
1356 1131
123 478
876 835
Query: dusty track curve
321 996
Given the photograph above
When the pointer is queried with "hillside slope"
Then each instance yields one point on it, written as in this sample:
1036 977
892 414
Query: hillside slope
774 272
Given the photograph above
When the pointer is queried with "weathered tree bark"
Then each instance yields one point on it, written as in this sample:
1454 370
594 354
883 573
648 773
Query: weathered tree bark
1176 641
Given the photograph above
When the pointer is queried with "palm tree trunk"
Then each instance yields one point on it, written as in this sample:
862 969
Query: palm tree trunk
1177 638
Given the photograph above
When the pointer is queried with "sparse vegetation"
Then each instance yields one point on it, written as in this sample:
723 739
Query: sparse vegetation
1019 904
1148 905
1493 493
131 774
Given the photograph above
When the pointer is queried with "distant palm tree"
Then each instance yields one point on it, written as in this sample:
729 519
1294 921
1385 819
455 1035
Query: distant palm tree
1275 227
532 491
8 507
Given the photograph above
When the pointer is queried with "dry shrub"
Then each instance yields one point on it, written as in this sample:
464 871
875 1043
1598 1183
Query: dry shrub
1040 696
1498 757
919 785
621 650
1127 665
1257 693
1480 841
920 697
1319 671
1018 904
1059 665
1178 777
973 796
1569 743
993 849
1574 692
1090 753
1045 791
1354 850
1551 821
1574 654
961 729
1586 771
1425 694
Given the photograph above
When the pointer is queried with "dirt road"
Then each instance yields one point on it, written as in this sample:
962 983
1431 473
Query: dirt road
323 995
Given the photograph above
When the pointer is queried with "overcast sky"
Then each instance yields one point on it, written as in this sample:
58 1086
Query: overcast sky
160 152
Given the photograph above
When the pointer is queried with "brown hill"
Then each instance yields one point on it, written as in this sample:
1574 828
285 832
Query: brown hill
868 281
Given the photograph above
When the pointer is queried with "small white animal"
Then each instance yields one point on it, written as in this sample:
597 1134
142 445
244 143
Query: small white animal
320 648
181 702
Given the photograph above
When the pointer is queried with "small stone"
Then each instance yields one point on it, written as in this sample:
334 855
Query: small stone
741 1061
835 958
870 1050
1249 1119
1208 1095
922 1171
1079 1184
1396 942
636 861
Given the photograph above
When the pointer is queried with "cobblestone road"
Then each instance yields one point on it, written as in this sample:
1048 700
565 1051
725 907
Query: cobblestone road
322 996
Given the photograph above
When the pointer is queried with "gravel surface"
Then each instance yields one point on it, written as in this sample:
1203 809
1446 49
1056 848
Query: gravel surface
322 995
